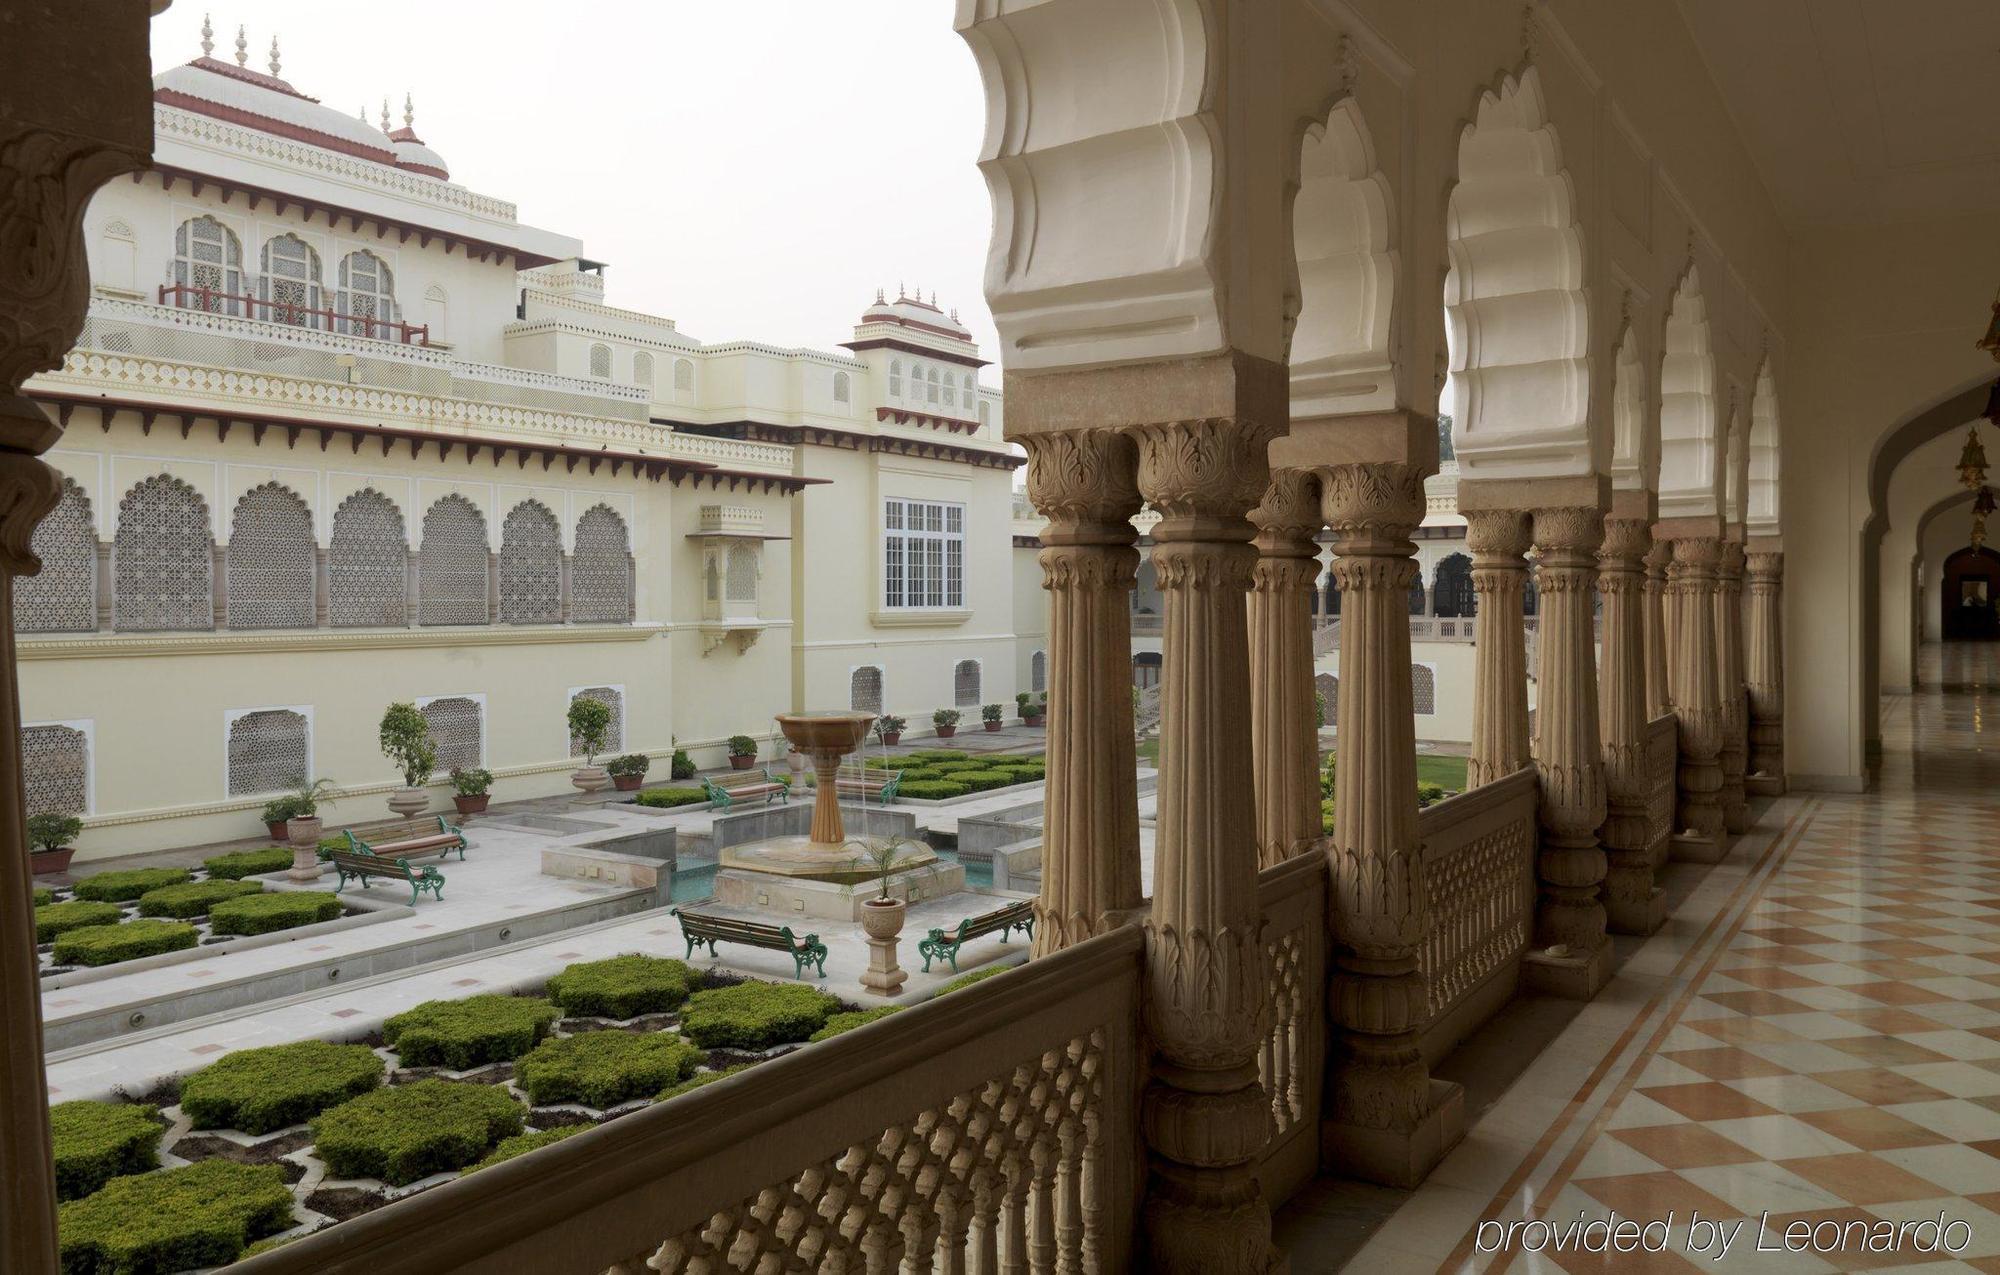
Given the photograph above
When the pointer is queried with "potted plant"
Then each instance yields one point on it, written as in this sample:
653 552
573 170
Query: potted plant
889 728
304 827
629 771
682 765
406 741
989 716
471 790
589 723
51 837
882 915
742 751
946 722
277 812
1032 707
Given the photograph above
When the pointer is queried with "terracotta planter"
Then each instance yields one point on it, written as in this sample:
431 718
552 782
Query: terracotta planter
991 727
891 738
472 804
407 803
882 918
590 778
946 732
1032 719
44 861
304 834
627 783
743 763
277 830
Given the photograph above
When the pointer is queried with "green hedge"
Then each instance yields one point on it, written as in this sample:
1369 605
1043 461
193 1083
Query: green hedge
470 1032
52 919
932 789
977 976
603 1069
98 1141
193 898
259 1090
621 987
200 1215
848 1020
123 887
110 944
939 754
668 798
522 1143
698 1080
44 897
956 767
268 913
406 1132
755 1015
250 863
983 780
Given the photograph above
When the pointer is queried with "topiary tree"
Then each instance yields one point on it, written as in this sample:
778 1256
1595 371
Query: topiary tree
406 742
53 832
589 725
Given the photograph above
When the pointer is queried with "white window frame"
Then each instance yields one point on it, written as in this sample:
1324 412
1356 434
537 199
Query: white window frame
229 719
923 569
88 728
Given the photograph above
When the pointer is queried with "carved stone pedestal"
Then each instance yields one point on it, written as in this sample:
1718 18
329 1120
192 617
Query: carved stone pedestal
884 976
1398 1157
1689 847
1567 973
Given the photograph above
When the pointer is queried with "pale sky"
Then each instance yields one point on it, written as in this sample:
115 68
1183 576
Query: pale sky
752 169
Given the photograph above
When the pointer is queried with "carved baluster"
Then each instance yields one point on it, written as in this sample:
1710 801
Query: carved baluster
984 1249
1069 1200
1692 683
1729 685
954 1245
1658 701
1014 1213
1284 731
1092 1193
1632 904
1042 1222
1499 541
1766 666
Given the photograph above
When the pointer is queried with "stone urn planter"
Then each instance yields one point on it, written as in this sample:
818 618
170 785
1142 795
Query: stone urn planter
304 834
590 778
882 921
474 804
408 803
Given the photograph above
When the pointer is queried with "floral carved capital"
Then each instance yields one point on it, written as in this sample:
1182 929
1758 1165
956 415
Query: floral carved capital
29 489
1372 504
1082 477
1214 466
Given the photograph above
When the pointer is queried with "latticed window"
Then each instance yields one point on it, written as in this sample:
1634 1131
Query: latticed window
530 566
923 554
1423 688
642 369
1328 687
965 684
950 391
600 569
931 392
895 378
161 564
291 283
600 362
55 765
614 734
270 566
207 256
367 295
1038 671
62 598
268 751
740 579
683 374
971 390
840 390
864 690
366 565
456 731
451 573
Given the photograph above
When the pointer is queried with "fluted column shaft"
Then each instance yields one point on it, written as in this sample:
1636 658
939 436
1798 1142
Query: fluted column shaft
1205 1113
1658 701
1629 896
1284 727
1692 680
1499 542
1766 664
1085 483
1729 686
1568 754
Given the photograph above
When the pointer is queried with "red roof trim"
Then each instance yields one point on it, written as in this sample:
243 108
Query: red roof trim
249 76
890 343
873 317
278 128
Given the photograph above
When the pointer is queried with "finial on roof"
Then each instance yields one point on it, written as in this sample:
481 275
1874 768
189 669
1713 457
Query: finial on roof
899 290
242 46
933 296
362 114
385 114
878 297
207 36
274 55
409 111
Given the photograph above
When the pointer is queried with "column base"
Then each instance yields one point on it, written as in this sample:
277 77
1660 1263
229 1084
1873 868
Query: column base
1764 785
1736 815
1636 916
1398 1157
1576 976
1687 847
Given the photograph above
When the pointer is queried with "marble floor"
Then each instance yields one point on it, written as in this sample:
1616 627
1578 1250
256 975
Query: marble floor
1814 1038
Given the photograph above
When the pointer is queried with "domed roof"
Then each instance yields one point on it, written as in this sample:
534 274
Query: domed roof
914 311
411 153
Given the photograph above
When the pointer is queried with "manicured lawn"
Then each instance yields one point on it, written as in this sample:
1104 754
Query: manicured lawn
1446 772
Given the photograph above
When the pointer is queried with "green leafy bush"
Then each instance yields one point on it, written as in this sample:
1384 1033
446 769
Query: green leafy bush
621 987
250 863
951 766
967 980
1023 774
268 913
123 887
919 775
932 789
110 944
909 762
193 898
52 919
929 755
603 1069
522 1143
469 1032
181 1219
259 1090
406 1132
668 798
983 780
53 832
848 1020
474 782
282 809
1429 794
628 765
405 737
44 897
755 1015
98 1141
742 746
697 1080
682 765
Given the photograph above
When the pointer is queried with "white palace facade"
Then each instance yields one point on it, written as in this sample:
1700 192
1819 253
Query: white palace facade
340 432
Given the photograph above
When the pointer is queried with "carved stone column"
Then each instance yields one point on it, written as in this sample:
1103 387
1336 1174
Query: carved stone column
1658 701
1691 677
1205 1113
1569 916
1499 541
1632 903
1084 483
1284 728
1729 685
322 586
1766 668
1388 1120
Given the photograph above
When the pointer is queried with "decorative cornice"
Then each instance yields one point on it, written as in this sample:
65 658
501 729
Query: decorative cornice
87 646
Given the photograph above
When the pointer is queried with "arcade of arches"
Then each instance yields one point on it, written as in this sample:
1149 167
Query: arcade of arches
1695 350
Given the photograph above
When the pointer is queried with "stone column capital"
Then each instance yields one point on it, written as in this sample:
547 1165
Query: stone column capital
1764 567
1085 482
1207 468
1372 504
1627 542
1567 536
1502 535
1697 554
1289 516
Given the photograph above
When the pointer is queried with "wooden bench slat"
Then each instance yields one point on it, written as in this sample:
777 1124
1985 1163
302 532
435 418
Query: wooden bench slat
361 865
726 790
1001 921
698 928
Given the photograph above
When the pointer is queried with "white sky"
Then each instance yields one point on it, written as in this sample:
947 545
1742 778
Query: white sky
752 169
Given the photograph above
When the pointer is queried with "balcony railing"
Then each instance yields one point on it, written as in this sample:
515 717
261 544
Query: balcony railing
185 296
1662 766
1479 876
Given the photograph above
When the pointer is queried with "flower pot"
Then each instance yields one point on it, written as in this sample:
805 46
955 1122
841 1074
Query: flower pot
471 803
590 778
882 918
43 861
946 732
891 738
991 726
742 763
304 833
277 830
407 803
627 783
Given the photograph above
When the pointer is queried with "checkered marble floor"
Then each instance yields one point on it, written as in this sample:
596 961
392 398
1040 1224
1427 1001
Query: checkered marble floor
1816 1037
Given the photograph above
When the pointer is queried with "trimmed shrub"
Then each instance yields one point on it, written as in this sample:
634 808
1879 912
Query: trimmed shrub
967 980
52 919
252 863
110 944
948 766
621 987
932 789
193 898
522 1143
668 798
268 913
939 754
603 1069
983 780
755 1015
123 887
696 1081
259 1090
919 774
848 1020
1429 794
196 1216
406 1132
98 1141
470 1032
44 897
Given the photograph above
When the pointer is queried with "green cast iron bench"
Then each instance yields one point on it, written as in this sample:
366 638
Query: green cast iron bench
743 785
361 865
999 921
804 950
411 839
870 783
